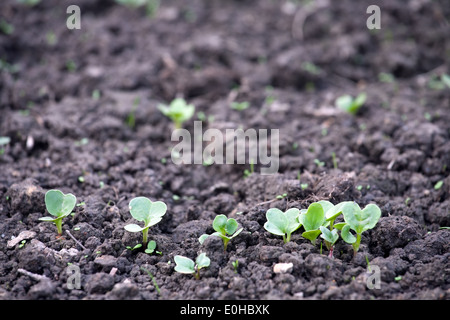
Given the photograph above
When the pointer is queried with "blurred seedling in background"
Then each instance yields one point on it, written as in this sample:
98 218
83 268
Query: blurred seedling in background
349 104
143 209
282 223
240 106
187 266
225 228
178 111
59 205
4 141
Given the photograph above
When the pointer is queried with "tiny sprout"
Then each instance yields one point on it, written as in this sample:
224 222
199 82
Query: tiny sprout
59 205
350 104
235 265
240 106
3 142
187 266
143 209
438 185
282 223
151 248
330 238
178 111
225 228
359 221
139 245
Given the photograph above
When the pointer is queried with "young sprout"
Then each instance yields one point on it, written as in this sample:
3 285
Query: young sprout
225 229
3 142
330 238
178 111
235 265
350 104
359 221
59 205
143 209
311 220
282 223
187 266
151 248
240 106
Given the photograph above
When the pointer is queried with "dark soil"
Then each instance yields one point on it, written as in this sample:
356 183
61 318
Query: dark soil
392 153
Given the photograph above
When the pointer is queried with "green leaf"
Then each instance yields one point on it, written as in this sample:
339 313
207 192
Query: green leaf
143 209
140 208
219 224
361 220
133 228
281 223
231 226
346 234
446 79
59 204
184 265
151 246
334 212
276 221
50 219
311 235
313 218
326 205
330 236
339 225
203 238
202 261
236 233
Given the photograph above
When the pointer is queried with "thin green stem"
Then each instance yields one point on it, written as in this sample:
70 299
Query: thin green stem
58 223
356 244
145 236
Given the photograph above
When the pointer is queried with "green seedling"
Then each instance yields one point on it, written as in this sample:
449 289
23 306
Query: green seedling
330 238
139 245
445 78
248 173
282 223
350 104
178 111
359 221
59 205
312 219
225 228
240 106
143 209
334 211
3 142
151 248
187 266
235 265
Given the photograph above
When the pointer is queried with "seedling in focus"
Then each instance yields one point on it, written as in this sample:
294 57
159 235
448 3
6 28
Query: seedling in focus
282 223
359 221
59 205
187 266
143 209
225 228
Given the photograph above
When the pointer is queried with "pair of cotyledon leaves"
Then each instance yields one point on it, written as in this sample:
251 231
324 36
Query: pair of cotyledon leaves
319 215
58 204
143 209
186 265
225 228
